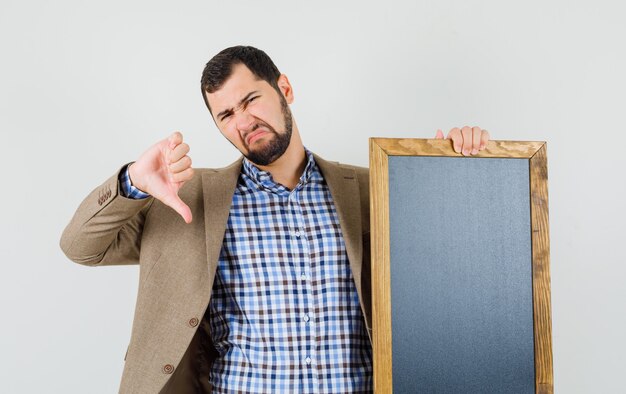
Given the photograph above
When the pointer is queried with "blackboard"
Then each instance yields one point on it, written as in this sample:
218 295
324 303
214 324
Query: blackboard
459 246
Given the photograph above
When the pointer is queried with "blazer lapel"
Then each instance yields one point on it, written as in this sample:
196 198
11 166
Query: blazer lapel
218 187
344 188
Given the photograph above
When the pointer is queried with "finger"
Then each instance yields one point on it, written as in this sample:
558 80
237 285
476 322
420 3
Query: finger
466 132
180 165
439 135
178 152
484 138
172 200
457 139
182 176
476 133
174 139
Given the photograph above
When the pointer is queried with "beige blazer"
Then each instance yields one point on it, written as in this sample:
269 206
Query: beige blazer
170 349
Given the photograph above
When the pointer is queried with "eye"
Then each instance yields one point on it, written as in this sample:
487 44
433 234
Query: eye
252 98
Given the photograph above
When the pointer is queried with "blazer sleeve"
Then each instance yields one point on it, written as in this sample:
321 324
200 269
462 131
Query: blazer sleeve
106 228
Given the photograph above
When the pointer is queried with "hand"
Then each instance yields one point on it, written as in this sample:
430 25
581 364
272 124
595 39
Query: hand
468 140
162 170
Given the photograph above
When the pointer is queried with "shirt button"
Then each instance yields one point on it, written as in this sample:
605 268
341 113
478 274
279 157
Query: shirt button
306 317
308 360
297 233
193 322
303 276
168 368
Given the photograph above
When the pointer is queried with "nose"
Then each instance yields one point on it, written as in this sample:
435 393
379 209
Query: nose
245 121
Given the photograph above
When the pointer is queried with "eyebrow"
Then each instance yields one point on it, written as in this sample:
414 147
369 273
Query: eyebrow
243 100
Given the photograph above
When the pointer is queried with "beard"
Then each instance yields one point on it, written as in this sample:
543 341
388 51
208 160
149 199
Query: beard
279 142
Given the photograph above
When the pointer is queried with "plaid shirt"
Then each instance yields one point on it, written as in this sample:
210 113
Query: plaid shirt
284 310
128 190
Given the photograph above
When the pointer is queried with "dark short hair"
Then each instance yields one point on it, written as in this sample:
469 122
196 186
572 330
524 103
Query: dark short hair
220 68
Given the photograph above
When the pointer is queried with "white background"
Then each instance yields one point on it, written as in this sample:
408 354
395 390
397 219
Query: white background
86 86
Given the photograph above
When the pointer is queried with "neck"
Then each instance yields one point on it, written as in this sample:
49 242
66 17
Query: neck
288 168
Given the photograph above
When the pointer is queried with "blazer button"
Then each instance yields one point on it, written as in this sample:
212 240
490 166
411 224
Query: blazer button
193 322
168 368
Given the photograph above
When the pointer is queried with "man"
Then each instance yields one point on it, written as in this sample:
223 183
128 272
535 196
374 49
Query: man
264 285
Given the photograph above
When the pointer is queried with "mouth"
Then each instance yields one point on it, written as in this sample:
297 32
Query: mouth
255 135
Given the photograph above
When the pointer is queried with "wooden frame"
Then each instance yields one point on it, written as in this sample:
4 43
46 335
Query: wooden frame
535 152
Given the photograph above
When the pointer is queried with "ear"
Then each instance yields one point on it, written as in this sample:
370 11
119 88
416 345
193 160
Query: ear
285 88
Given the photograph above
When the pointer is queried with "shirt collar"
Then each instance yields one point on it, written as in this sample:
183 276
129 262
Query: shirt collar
264 179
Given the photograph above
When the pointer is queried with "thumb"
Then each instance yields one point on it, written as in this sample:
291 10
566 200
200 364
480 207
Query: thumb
172 200
439 135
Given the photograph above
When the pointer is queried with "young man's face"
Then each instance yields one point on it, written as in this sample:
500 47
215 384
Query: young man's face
253 116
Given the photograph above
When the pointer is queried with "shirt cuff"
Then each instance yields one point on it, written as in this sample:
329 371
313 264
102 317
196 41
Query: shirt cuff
127 188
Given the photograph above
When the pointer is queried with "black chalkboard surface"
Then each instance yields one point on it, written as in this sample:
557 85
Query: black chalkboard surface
453 292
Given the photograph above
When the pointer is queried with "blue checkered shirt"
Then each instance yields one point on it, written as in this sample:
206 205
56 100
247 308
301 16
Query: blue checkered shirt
128 190
284 310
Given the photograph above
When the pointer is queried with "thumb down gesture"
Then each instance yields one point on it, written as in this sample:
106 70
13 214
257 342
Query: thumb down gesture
162 170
